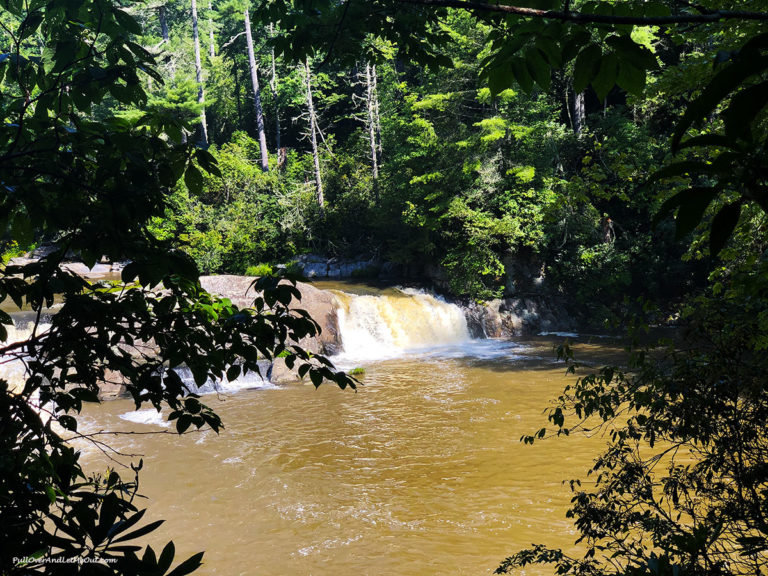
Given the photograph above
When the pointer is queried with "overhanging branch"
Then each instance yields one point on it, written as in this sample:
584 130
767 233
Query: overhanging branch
582 18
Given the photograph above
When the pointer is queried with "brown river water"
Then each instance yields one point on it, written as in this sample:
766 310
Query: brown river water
421 471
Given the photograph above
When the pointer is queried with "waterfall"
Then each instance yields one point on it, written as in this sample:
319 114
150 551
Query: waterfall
11 369
386 325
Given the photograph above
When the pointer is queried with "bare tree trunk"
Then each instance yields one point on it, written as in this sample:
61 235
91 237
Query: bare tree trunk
238 101
372 129
273 88
313 136
199 73
376 107
579 116
163 17
256 94
212 49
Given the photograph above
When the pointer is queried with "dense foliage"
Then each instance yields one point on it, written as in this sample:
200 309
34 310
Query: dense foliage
88 182
470 177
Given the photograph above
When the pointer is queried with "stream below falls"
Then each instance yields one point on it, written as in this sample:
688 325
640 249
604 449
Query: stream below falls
421 471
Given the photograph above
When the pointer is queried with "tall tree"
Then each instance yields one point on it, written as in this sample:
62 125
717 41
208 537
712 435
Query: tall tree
273 88
254 69
162 16
377 117
371 105
579 114
313 130
199 74
212 44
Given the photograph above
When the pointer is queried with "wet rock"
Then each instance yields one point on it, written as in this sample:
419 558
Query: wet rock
76 268
112 387
315 270
484 320
320 305
314 266
515 317
279 373
100 269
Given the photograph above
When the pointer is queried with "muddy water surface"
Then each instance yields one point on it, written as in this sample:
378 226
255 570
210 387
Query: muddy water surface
419 472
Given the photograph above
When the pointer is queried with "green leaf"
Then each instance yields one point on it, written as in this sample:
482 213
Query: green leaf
166 557
586 67
691 211
605 79
140 532
723 225
193 179
744 107
188 566
538 67
629 51
500 78
183 423
690 195
68 422
522 75
126 21
685 168
233 372
551 51
631 78
316 378
718 88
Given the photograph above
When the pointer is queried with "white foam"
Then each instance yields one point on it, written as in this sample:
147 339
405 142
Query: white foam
11 369
249 381
147 416
560 334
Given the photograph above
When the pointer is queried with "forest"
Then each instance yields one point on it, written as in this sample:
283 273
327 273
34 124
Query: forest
421 166
615 147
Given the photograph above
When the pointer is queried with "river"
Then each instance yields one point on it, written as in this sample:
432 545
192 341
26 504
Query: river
420 471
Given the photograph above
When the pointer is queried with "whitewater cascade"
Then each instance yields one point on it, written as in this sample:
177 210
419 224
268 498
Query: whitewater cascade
386 325
11 369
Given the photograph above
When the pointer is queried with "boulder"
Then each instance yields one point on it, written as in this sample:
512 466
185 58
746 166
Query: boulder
112 387
279 373
484 320
514 317
314 266
321 306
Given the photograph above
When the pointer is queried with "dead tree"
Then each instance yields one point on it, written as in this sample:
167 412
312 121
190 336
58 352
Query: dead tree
313 131
199 74
254 69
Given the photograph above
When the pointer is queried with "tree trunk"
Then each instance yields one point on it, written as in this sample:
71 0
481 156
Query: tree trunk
376 107
579 116
370 104
163 17
212 49
273 88
256 94
238 100
313 136
199 74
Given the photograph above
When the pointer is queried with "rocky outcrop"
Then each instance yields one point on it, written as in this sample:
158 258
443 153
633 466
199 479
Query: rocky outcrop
320 304
514 317
113 386
100 270
314 266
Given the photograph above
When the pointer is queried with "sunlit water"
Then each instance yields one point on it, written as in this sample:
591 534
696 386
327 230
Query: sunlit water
420 471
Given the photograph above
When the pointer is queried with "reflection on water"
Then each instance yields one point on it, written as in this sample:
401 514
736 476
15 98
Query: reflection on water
419 472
